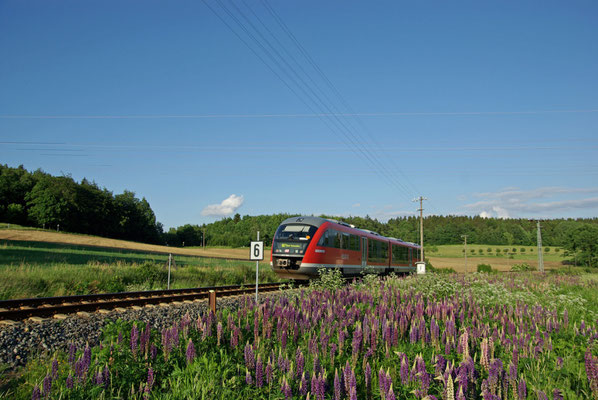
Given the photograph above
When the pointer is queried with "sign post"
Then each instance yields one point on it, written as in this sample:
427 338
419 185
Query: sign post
256 253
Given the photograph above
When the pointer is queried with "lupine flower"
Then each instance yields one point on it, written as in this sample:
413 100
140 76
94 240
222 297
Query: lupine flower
522 389
36 395
72 353
541 395
248 378
557 395
47 385
134 338
337 386
303 385
190 353
249 356
69 381
259 372
153 351
150 379
219 332
286 389
269 373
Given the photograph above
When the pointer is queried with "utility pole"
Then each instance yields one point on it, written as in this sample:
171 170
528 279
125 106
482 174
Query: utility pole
421 225
540 259
465 251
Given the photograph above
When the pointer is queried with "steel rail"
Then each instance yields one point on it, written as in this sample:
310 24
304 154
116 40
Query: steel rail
20 309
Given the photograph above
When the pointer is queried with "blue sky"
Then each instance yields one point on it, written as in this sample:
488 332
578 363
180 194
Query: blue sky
346 108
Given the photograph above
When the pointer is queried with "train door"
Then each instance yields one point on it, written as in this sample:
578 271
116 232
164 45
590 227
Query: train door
364 252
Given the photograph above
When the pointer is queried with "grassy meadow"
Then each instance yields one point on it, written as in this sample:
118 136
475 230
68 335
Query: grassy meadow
501 258
43 269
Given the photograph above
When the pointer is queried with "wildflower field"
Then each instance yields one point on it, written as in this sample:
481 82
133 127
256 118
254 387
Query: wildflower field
509 336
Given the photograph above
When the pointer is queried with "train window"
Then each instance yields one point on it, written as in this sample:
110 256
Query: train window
330 238
400 254
323 239
384 250
354 243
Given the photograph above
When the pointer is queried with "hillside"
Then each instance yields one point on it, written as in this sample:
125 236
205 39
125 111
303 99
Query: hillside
86 240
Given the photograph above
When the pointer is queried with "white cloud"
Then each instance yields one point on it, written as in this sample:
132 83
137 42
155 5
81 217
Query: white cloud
226 207
356 205
514 202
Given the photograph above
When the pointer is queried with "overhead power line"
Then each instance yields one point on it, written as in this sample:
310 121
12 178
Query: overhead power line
298 115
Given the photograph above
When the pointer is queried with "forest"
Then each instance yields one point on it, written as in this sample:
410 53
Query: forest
58 202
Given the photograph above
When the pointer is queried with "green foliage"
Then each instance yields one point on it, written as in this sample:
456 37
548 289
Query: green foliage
524 267
329 279
60 203
484 268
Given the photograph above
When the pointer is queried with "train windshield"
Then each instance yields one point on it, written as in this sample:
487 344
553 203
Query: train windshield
293 238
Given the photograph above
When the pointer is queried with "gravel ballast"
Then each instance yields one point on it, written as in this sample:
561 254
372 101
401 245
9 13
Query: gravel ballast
25 340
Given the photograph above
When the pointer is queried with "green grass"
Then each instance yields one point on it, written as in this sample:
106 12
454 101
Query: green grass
531 252
39 269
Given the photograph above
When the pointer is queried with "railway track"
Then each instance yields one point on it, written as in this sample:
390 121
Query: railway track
20 309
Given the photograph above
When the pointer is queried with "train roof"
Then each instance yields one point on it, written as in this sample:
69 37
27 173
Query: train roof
318 221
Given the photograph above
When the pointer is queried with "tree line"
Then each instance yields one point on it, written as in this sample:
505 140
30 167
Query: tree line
59 202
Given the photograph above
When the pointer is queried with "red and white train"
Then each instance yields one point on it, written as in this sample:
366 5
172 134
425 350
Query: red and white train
304 245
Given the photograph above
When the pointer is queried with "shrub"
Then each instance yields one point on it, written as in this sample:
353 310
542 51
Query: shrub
522 267
481 251
489 250
522 250
484 268
514 250
331 279
546 249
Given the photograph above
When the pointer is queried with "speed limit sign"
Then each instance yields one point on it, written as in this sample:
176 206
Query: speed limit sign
257 251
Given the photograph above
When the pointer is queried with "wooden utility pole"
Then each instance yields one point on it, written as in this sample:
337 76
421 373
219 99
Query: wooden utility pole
465 251
421 225
540 256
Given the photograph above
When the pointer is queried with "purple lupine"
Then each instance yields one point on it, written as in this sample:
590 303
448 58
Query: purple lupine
592 371
36 395
69 381
299 362
190 353
522 389
153 351
391 394
219 332
404 371
556 394
86 358
47 385
249 356
303 385
382 383
72 353
337 386
134 338
106 375
248 378
150 379
119 339
99 379
541 395
286 389
54 368
269 373
259 372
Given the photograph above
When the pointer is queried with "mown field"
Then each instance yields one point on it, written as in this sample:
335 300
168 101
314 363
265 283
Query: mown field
500 258
476 336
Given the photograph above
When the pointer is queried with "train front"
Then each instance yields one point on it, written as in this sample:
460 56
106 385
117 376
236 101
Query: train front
290 245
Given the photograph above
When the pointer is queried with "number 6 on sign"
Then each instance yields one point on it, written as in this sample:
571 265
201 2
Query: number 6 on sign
257 251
